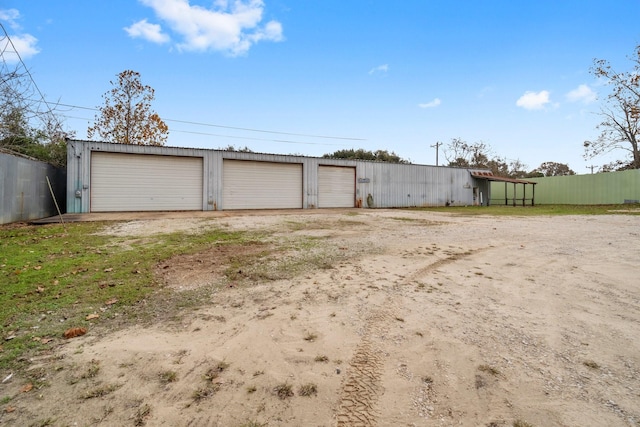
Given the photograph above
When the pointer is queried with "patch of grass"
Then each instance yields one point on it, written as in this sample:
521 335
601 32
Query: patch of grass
308 390
321 358
258 373
142 414
100 391
54 276
253 423
168 376
521 423
283 390
43 423
92 371
538 210
5 400
202 393
251 389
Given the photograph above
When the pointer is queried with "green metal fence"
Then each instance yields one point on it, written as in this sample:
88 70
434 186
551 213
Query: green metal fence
595 189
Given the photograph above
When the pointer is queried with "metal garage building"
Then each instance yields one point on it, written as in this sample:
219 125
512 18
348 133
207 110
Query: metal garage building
105 177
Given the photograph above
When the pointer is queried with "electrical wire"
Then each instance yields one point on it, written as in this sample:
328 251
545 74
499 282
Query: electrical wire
42 98
248 138
232 127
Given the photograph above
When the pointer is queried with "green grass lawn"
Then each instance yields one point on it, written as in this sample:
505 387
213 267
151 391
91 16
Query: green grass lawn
52 277
501 210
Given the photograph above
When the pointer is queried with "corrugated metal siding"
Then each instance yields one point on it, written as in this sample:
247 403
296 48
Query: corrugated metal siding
592 189
24 192
390 185
79 155
336 187
261 185
384 185
136 182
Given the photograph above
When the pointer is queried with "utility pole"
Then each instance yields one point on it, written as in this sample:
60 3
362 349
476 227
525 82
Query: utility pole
591 167
437 146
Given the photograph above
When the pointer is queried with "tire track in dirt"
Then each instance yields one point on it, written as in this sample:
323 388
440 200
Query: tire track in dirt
362 386
449 259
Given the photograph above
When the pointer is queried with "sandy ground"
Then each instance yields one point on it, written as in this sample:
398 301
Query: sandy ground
421 319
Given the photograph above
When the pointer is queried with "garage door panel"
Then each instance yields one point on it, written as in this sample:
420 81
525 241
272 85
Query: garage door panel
261 185
336 187
135 182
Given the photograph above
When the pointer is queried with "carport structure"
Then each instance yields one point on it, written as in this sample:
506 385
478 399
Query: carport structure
489 176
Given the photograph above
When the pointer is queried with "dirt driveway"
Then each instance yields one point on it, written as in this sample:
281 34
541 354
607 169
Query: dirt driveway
420 319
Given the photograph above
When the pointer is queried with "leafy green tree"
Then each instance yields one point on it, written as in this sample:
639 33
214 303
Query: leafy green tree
126 116
361 154
620 126
552 169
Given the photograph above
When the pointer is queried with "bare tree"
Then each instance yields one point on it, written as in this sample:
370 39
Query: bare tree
126 116
621 113
29 125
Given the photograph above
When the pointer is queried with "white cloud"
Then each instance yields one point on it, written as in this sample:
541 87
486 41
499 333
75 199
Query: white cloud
231 27
431 104
22 45
582 93
147 31
533 101
379 69
10 16
25 44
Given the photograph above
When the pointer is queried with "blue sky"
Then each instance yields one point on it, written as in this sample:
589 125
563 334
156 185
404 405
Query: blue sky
394 75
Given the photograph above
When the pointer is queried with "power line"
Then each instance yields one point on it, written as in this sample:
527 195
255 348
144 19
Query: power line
234 127
42 98
248 138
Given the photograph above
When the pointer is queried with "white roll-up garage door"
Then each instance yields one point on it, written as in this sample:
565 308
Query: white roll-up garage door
336 187
261 185
123 182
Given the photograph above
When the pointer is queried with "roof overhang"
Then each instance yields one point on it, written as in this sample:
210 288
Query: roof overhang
491 177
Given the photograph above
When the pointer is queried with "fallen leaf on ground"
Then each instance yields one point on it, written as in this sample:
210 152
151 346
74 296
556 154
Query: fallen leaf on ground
92 316
26 388
111 301
108 270
74 332
37 267
40 289
9 409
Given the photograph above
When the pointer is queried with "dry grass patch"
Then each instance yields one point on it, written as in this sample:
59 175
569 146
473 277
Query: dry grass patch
283 390
308 390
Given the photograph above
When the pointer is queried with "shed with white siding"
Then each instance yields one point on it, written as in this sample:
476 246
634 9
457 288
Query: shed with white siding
117 177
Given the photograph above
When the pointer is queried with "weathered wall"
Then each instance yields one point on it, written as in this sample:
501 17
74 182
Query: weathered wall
593 189
24 192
